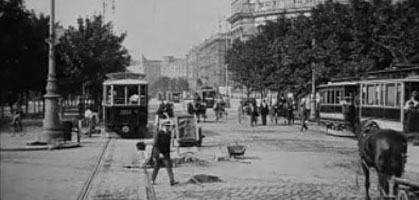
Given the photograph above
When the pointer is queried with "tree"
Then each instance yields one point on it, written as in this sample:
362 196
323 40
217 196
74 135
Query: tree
23 50
339 40
87 53
160 85
239 65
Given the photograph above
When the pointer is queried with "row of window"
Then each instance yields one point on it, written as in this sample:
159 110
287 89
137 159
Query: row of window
383 94
126 94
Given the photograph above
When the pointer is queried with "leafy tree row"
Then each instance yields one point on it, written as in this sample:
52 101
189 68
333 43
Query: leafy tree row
84 53
335 40
23 50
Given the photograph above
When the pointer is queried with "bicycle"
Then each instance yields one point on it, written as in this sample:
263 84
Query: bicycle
17 126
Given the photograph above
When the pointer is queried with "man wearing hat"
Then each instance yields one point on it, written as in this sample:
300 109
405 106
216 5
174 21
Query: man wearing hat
161 146
413 102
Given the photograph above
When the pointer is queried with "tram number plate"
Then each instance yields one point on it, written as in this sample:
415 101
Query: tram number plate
125 112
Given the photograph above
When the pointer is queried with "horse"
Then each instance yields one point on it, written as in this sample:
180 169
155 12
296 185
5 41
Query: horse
382 149
219 109
197 109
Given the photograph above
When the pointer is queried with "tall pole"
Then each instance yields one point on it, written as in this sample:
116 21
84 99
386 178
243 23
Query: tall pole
313 85
227 40
51 127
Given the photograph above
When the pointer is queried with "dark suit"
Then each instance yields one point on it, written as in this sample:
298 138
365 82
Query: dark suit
264 110
162 146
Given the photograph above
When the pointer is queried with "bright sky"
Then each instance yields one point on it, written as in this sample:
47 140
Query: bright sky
155 28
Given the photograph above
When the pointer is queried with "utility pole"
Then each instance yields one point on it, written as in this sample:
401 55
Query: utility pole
51 126
313 84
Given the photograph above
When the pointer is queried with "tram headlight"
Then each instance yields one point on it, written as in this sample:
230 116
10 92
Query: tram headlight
125 129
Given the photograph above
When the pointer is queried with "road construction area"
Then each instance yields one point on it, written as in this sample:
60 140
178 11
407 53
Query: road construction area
280 162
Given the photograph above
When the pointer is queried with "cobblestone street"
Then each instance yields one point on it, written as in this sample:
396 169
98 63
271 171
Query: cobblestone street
280 163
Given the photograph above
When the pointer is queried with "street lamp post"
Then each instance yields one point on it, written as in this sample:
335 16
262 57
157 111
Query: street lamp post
313 86
51 126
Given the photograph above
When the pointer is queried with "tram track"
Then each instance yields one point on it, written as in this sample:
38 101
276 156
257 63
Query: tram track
84 193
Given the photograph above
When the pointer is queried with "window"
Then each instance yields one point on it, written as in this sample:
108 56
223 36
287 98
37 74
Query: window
391 95
133 94
108 94
382 94
338 96
371 94
364 94
399 94
329 96
119 94
143 94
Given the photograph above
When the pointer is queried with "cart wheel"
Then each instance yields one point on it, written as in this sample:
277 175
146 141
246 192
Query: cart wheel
402 195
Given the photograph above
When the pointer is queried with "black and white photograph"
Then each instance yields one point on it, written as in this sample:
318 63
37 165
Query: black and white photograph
209 99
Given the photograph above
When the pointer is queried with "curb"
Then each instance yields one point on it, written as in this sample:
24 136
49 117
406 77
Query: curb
41 148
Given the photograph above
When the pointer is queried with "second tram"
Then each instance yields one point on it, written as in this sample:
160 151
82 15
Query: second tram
380 96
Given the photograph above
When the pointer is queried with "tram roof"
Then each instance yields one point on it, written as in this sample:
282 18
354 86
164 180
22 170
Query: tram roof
343 83
125 78
125 82
414 78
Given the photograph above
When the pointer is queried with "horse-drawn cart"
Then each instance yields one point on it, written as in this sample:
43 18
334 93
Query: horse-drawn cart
187 132
407 189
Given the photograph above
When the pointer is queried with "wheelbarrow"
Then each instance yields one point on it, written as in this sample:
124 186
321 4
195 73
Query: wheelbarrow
236 150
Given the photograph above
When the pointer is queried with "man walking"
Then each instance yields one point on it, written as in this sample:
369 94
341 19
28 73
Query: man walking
305 112
264 110
161 147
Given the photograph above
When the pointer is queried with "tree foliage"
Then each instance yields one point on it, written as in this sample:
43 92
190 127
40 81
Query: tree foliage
88 52
23 50
336 40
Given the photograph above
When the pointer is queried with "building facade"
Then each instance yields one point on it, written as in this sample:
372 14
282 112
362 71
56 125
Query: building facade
247 15
151 68
206 62
174 67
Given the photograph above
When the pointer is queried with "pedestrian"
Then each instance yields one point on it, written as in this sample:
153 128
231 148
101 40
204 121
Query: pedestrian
264 110
218 109
290 107
413 102
253 113
411 113
17 117
240 111
161 147
164 111
304 113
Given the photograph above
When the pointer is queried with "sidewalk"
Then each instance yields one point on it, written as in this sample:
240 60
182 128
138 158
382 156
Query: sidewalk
29 141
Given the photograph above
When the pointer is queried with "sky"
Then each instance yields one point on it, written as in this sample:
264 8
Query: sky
155 28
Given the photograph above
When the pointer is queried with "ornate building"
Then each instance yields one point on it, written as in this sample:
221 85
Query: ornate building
151 68
174 67
247 15
206 62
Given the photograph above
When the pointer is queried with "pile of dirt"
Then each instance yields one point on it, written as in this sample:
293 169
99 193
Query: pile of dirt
188 159
204 178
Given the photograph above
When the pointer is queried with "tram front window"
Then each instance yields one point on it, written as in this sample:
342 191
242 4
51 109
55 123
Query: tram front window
133 94
119 94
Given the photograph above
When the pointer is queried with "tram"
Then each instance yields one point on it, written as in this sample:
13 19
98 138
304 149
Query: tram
125 105
175 97
208 96
380 96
